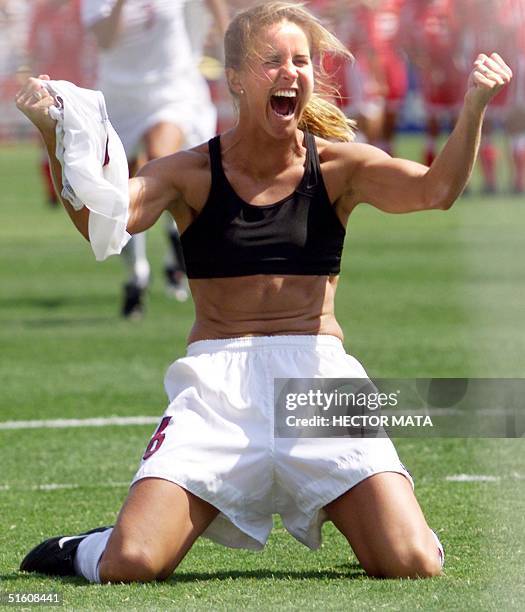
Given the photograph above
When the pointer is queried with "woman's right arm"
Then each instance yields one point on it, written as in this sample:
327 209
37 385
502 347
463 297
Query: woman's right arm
34 101
149 194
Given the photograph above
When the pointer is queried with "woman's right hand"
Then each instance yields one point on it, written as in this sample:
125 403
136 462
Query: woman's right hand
34 101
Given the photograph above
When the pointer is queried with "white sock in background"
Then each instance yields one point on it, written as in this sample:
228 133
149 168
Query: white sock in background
89 553
136 260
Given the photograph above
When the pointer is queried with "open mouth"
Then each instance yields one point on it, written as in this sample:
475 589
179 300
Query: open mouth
284 102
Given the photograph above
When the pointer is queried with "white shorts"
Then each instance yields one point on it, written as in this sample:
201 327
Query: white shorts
186 104
217 439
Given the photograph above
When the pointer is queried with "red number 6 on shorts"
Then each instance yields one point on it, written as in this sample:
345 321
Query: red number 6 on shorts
158 438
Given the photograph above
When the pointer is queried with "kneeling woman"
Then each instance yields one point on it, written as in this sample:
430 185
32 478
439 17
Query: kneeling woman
262 211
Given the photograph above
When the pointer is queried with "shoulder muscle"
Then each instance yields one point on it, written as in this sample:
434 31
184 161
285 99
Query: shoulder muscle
370 175
176 183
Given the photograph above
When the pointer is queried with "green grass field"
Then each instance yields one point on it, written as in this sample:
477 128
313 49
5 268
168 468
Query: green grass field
429 294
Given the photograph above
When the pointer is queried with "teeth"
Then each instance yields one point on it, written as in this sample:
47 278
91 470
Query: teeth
286 93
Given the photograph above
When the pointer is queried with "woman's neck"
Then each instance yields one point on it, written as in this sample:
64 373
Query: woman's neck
261 153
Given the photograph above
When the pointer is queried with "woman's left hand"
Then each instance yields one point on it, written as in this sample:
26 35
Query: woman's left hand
489 75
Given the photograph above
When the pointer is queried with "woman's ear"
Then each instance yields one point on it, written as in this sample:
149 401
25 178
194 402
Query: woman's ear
234 81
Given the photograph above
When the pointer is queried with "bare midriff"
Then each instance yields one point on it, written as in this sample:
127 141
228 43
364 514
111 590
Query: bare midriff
263 305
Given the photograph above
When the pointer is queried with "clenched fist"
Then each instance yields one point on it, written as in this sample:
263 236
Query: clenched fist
489 75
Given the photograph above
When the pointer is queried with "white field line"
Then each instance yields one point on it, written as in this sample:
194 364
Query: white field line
148 420
473 478
55 486
64 423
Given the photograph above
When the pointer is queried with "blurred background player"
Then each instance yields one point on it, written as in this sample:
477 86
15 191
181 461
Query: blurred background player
340 18
377 44
58 45
13 63
373 88
493 23
158 103
515 119
435 44
205 20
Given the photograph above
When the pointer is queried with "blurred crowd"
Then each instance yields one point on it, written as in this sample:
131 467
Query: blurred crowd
412 58
423 50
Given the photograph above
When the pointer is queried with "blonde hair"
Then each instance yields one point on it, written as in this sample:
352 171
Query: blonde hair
320 117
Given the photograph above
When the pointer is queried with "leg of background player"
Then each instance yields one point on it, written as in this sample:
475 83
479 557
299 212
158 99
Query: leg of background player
174 267
488 155
134 255
518 158
45 170
164 139
136 261
432 133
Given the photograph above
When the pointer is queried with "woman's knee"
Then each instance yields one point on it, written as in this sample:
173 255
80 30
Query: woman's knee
418 562
163 139
411 560
132 563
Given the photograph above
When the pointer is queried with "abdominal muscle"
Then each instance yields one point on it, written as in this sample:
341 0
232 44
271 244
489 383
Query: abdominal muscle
263 305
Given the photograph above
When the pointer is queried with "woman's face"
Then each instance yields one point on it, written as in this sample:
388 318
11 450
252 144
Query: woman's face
278 80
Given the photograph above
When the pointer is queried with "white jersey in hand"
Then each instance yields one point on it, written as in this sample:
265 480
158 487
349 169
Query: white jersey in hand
94 167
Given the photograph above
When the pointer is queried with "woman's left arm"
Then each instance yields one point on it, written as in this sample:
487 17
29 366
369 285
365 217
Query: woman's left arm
398 185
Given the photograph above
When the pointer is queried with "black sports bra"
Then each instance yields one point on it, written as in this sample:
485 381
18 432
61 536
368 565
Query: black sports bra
300 234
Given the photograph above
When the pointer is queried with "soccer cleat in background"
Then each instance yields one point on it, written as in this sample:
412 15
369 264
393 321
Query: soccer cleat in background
55 556
133 303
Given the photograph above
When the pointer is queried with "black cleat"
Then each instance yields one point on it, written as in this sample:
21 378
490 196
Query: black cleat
55 556
133 303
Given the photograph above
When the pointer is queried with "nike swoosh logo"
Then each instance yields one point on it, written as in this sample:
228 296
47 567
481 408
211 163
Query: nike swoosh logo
62 541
